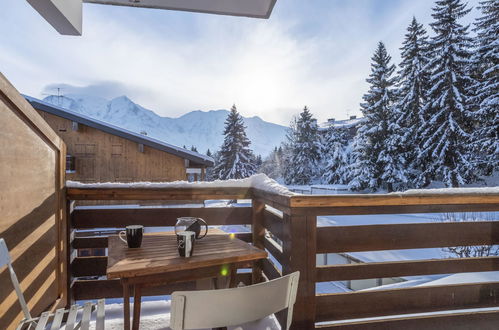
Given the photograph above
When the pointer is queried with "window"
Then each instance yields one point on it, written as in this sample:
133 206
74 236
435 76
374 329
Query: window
70 164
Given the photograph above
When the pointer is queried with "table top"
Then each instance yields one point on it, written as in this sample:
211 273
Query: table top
158 254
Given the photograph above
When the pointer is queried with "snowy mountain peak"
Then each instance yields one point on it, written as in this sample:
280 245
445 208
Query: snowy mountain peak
202 129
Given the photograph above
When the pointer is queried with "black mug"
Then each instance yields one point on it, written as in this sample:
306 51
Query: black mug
185 243
133 235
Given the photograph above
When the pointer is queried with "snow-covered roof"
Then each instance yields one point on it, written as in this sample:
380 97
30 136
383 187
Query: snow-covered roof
258 181
118 131
345 123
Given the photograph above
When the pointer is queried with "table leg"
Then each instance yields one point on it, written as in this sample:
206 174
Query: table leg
137 299
126 304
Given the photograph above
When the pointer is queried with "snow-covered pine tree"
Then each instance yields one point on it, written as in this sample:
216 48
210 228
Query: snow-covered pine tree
412 88
334 156
235 157
447 122
209 170
486 99
376 153
304 141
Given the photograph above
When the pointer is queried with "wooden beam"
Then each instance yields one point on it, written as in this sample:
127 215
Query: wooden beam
101 241
280 202
361 304
270 270
89 266
483 320
258 231
64 15
395 209
355 200
183 194
300 245
158 217
276 251
405 268
273 223
98 289
336 239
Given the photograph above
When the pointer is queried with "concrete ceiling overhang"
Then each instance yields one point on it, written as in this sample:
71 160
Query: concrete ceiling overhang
66 15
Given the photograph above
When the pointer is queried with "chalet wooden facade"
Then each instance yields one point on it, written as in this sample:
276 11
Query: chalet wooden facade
101 152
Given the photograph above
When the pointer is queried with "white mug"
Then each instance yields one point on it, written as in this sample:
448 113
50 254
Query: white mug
185 242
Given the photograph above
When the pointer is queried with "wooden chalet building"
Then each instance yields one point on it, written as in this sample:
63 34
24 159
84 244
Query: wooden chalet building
101 152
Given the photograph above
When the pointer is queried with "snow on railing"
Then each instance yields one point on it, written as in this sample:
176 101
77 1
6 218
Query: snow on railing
257 181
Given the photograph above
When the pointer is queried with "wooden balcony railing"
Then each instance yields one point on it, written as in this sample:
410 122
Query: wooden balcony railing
286 226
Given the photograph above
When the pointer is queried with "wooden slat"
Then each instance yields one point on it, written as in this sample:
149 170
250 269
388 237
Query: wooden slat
157 193
362 304
158 217
89 242
405 268
89 266
484 320
98 289
276 252
101 241
395 209
270 270
317 201
336 239
273 223
258 236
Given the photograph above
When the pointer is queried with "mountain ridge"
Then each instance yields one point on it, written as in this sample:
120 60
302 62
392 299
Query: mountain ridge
202 129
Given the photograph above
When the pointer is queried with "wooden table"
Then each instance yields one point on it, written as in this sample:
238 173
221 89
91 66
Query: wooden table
157 262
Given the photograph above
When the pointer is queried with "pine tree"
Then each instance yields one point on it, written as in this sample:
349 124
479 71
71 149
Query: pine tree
209 170
235 156
376 153
412 88
486 63
193 148
447 124
304 142
334 156
272 165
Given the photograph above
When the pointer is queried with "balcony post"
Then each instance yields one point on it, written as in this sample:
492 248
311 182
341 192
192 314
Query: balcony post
258 229
300 247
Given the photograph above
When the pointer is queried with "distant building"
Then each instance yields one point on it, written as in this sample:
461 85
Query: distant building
101 152
349 125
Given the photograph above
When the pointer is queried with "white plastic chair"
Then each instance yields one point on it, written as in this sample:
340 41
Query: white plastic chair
230 307
40 323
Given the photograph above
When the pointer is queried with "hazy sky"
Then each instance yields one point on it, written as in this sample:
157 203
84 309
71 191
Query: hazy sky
310 52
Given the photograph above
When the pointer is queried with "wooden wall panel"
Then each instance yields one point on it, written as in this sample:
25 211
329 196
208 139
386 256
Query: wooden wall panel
103 157
31 215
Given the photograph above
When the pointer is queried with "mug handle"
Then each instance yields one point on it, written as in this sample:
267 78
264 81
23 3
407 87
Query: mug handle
121 238
205 227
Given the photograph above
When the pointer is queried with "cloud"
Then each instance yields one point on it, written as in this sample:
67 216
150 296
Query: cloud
173 62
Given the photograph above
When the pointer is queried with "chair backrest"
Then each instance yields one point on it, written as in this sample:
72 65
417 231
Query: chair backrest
6 260
229 307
